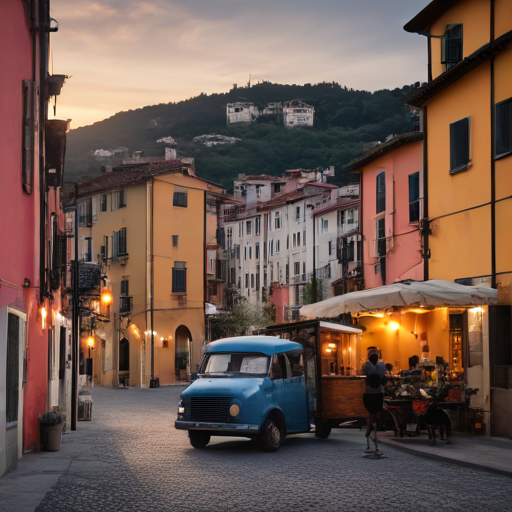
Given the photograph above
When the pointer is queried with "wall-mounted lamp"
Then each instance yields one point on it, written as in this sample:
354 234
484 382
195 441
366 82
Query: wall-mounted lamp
43 317
394 326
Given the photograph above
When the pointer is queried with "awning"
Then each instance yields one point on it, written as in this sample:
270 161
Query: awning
435 292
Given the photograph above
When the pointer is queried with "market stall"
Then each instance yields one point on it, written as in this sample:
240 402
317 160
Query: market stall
432 335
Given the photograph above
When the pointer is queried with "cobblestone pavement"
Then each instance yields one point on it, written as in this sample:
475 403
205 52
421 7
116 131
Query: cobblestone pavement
134 460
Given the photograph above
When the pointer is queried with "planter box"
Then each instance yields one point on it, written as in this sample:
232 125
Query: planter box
51 436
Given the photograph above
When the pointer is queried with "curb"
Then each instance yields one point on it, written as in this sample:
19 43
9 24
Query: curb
449 460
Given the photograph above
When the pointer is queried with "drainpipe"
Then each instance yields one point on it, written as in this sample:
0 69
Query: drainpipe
75 325
493 162
425 225
152 284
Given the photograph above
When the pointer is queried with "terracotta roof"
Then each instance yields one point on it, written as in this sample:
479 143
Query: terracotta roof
422 95
319 185
282 199
384 149
262 177
340 205
423 20
123 176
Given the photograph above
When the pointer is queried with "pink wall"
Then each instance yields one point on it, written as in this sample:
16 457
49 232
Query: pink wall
404 260
19 224
280 297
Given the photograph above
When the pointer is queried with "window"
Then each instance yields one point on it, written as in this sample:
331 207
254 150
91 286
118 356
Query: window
247 280
287 242
179 277
250 252
341 218
87 252
180 197
304 238
459 145
271 247
14 330
175 240
245 253
258 191
249 227
381 192
122 242
85 214
277 220
117 199
240 229
381 237
297 213
296 268
451 45
29 105
504 128
252 281
125 287
237 252
330 247
298 239
265 251
414 197
229 238
304 271
349 251
103 203
257 251
294 240
121 198
350 216
278 246
257 281
257 225
325 225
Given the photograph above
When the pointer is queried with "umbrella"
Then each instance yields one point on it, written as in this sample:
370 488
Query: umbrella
435 292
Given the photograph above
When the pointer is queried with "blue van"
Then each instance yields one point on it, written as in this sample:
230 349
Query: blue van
250 386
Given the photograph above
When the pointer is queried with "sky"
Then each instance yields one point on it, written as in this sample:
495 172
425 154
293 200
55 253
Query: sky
126 54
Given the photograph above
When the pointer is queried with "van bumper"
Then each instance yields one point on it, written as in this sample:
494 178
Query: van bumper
220 427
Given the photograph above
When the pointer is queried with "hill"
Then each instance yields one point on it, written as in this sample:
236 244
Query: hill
345 120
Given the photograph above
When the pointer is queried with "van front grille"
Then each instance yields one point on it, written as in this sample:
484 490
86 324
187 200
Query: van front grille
210 408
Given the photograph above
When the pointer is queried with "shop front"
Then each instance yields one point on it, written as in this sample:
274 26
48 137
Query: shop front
431 335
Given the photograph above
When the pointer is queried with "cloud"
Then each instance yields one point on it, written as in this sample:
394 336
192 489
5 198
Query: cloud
125 54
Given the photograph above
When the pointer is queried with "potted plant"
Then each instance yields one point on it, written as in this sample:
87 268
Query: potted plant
51 424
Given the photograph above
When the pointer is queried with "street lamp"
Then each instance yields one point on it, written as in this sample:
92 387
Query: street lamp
90 344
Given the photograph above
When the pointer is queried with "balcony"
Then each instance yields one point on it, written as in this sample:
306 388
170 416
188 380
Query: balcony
125 305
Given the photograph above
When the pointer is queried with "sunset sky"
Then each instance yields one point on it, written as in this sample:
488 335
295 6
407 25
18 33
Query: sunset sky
125 54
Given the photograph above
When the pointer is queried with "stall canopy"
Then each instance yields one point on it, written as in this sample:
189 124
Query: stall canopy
431 293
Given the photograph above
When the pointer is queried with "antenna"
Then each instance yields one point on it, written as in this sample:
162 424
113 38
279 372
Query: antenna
249 83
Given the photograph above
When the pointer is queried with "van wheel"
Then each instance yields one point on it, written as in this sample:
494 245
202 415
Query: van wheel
322 429
272 435
199 438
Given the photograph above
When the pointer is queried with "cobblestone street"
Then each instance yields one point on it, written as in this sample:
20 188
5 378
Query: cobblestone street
130 458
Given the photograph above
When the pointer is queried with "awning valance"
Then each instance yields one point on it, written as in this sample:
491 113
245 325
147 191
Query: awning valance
435 292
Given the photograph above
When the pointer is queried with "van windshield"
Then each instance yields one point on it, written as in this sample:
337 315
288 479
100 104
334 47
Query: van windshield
235 365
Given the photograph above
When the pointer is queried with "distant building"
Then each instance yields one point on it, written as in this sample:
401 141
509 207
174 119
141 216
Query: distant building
241 112
298 113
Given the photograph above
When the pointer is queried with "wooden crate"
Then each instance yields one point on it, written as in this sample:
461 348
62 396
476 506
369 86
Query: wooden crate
343 398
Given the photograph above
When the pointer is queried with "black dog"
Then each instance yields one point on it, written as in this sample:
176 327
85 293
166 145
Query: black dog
434 419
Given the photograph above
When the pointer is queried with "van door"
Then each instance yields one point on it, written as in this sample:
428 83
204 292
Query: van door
277 374
295 393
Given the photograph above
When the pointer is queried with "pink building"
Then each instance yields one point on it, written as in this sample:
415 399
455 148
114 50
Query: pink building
32 221
391 195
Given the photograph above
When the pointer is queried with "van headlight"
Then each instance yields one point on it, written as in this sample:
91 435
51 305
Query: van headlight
181 407
234 410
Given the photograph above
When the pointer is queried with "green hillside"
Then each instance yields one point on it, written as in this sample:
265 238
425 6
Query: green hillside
345 120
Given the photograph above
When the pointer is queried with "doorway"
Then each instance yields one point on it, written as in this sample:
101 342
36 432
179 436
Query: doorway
182 357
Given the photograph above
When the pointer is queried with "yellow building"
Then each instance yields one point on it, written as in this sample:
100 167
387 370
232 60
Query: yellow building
467 169
146 224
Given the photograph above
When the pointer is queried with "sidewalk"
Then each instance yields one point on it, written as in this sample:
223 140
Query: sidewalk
37 472
489 453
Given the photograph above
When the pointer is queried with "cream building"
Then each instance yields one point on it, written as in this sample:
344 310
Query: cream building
146 225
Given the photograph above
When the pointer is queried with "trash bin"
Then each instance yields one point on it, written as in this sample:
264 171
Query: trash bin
51 436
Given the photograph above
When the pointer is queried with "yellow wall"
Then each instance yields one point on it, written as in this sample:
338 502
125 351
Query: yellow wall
502 17
475 17
460 244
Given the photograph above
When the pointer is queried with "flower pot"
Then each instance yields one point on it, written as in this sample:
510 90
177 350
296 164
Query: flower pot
50 437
